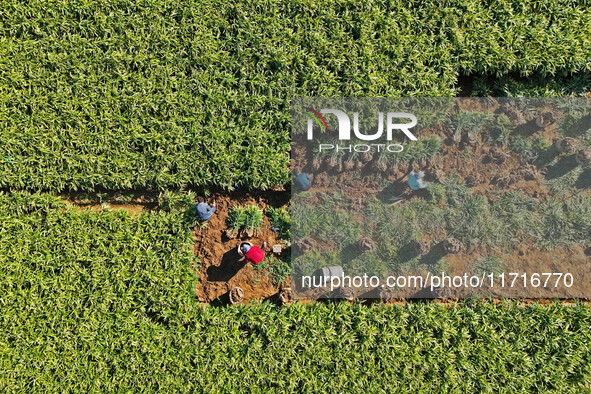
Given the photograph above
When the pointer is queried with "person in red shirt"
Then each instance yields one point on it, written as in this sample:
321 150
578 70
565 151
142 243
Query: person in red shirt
253 254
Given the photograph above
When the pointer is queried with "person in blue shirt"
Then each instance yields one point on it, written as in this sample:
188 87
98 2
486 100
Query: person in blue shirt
416 180
302 180
204 211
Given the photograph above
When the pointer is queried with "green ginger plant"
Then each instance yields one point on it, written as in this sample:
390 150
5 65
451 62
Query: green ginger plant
245 221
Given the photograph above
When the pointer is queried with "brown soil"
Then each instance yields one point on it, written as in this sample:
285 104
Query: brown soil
528 258
221 267
135 204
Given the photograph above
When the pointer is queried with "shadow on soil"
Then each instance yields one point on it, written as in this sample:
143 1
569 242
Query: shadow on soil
228 268
584 180
434 256
563 167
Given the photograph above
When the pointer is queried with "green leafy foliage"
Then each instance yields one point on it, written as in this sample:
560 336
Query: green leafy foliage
455 190
104 344
247 218
469 122
500 129
542 86
90 97
564 220
278 268
323 220
424 148
436 192
281 219
488 265
86 278
158 95
495 224
90 299
169 200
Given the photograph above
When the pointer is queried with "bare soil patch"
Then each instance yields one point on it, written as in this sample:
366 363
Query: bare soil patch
221 267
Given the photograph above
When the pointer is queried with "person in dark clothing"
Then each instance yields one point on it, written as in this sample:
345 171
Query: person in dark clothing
204 211
302 180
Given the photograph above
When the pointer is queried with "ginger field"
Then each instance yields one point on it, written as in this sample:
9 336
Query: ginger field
101 301
115 115
122 96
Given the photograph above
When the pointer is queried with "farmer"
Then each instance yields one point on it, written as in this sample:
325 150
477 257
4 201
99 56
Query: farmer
204 211
252 253
302 180
416 181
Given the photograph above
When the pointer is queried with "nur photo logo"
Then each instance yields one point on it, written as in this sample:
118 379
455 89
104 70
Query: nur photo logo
344 124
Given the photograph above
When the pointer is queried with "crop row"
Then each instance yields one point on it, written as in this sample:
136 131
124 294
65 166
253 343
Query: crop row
119 96
451 210
58 261
97 301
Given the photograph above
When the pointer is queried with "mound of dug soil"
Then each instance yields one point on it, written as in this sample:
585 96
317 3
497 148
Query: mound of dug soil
452 246
286 296
422 247
584 157
566 145
366 245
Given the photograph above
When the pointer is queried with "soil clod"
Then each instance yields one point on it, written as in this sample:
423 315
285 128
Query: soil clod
566 145
247 233
366 245
365 157
444 292
387 294
529 172
583 156
229 234
422 247
452 246
345 293
544 120
504 180
305 245
497 156
472 180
